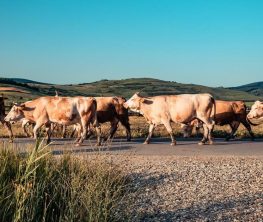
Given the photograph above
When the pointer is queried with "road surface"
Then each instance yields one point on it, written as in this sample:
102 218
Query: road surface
159 146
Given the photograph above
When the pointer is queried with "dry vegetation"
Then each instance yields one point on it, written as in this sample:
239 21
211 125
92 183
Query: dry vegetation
37 186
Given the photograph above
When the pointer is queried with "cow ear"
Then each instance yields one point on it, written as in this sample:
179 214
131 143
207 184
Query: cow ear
22 106
237 109
142 100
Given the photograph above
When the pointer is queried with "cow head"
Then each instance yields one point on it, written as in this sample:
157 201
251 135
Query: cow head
239 107
16 113
256 112
188 128
134 103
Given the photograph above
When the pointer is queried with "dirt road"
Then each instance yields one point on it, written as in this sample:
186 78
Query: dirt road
159 147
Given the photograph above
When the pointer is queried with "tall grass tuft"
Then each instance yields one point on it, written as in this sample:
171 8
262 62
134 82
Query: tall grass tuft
37 186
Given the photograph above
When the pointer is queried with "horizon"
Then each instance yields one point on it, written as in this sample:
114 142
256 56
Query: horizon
211 43
127 79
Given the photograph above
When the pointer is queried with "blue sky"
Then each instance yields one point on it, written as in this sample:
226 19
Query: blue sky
214 43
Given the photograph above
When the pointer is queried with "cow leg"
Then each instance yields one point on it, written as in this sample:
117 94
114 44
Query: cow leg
36 128
170 131
98 132
7 125
24 127
72 133
79 132
127 126
208 129
248 127
234 126
63 131
32 127
113 129
49 132
151 129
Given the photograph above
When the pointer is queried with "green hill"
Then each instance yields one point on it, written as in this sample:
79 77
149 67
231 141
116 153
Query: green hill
27 89
255 88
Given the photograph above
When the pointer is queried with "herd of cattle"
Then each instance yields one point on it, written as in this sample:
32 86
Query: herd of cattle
87 113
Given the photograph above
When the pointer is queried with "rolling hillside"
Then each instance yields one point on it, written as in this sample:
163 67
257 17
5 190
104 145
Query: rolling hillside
23 90
255 88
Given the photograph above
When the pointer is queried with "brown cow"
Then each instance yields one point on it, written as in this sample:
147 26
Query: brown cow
255 116
61 110
111 109
175 108
227 113
6 124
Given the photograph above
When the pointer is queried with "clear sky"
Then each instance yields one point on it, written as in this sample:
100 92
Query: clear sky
209 42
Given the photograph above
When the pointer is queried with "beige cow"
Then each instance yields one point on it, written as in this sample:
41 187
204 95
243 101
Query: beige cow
61 110
175 108
255 116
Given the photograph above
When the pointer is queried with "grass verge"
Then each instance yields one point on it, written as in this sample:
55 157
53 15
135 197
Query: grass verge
37 186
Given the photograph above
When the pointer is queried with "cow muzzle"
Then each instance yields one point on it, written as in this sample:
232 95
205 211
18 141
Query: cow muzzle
125 105
6 119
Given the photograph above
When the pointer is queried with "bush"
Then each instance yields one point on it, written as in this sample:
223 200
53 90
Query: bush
37 186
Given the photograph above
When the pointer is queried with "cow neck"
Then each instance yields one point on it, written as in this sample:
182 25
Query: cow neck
28 113
144 107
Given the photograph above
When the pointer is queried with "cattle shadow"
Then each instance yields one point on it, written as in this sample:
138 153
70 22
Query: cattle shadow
224 210
91 149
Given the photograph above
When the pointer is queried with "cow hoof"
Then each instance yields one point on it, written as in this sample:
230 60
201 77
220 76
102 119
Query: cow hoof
201 143
146 143
173 144
211 142
77 144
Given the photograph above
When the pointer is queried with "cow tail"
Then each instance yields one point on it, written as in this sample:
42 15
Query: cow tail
213 113
95 118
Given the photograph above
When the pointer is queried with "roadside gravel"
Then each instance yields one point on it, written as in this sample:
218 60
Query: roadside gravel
195 188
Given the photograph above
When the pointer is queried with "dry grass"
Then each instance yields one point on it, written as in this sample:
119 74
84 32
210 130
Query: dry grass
37 186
